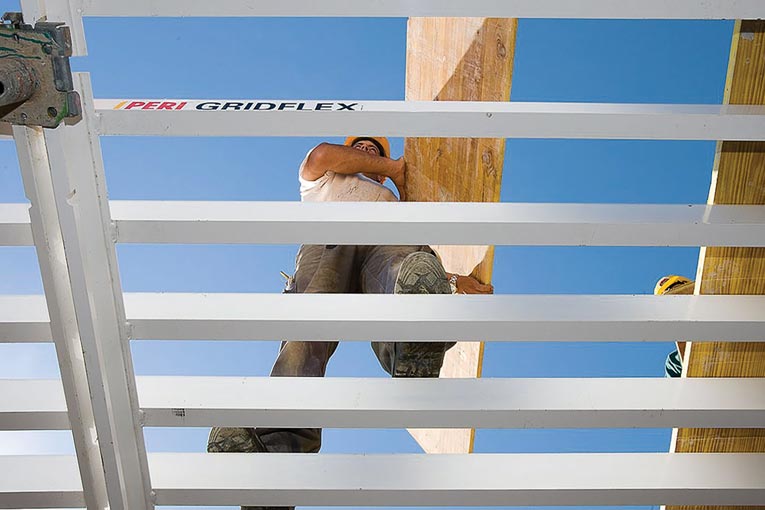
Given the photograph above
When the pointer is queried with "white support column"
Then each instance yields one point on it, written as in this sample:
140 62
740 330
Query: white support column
83 210
618 9
263 117
49 244
438 223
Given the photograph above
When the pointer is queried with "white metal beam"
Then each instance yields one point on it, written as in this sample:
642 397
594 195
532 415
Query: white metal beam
83 213
430 119
452 403
398 403
40 481
445 317
54 318
411 480
618 9
614 318
459 480
24 319
15 228
28 404
438 223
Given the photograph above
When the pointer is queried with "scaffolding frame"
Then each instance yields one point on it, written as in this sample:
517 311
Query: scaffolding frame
74 229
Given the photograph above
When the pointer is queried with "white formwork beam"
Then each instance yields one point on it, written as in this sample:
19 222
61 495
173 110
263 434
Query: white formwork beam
438 223
184 117
445 317
364 317
40 481
459 480
15 229
278 479
617 9
81 201
54 315
382 403
213 222
25 319
451 403
28 404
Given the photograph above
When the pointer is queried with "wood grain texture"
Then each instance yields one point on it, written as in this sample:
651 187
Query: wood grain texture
458 59
739 178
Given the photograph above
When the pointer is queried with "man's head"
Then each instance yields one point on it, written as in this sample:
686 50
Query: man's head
369 144
374 145
668 283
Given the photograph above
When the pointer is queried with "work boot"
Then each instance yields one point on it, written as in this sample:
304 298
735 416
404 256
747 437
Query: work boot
239 440
420 273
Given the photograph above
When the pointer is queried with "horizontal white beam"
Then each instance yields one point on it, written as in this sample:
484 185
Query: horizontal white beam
452 403
411 480
364 317
28 404
457 480
398 403
438 223
419 223
15 228
618 9
445 317
24 319
40 481
430 119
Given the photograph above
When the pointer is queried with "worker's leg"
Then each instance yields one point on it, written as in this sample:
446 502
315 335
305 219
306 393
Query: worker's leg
406 270
319 269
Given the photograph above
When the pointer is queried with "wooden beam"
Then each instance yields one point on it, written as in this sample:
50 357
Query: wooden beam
458 59
739 178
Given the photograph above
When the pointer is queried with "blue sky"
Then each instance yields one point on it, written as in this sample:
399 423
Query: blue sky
588 61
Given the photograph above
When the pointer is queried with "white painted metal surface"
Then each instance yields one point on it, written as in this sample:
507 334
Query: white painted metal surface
40 481
83 214
432 119
445 317
567 318
457 480
399 403
413 480
15 229
438 223
29 404
419 223
620 9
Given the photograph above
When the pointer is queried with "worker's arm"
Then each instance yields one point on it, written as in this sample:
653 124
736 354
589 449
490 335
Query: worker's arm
469 285
340 159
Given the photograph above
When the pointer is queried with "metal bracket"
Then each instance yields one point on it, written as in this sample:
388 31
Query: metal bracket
36 87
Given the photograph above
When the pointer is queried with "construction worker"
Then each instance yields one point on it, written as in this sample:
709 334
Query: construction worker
674 284
355 171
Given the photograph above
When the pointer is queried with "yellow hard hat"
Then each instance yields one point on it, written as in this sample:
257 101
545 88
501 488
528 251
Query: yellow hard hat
382 143
667 282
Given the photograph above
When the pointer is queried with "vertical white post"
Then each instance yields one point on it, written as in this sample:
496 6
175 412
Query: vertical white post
79 189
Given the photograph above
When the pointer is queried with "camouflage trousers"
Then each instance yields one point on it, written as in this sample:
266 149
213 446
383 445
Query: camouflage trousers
333 269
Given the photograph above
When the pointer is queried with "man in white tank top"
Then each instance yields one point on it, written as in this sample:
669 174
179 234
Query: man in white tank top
354 172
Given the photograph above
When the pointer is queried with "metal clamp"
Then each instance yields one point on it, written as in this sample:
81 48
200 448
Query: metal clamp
36 86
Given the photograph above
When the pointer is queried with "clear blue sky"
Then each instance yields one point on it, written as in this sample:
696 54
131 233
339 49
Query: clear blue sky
589 61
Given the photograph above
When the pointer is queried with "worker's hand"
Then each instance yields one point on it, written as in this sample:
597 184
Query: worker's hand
469 285
398 176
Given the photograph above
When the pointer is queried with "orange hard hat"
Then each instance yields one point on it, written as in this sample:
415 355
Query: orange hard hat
667 282
382 143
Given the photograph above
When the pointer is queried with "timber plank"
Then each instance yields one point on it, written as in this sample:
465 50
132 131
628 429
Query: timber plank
458 59
739 178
